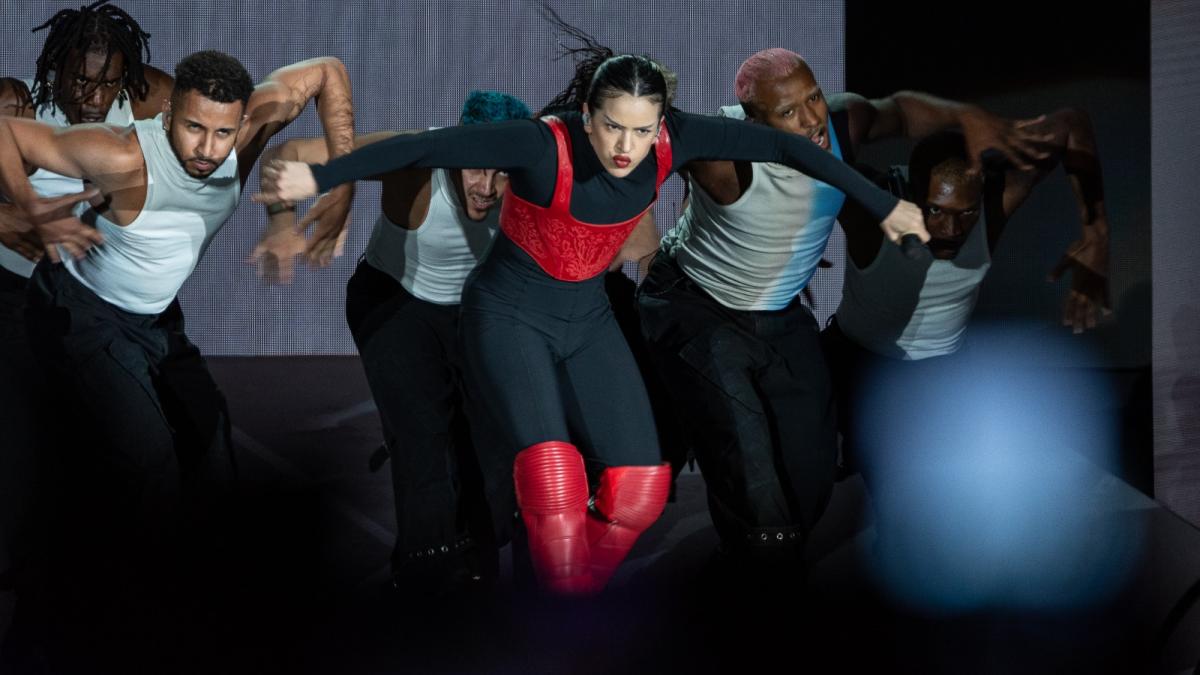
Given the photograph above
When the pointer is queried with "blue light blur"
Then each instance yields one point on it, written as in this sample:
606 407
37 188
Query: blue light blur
987 476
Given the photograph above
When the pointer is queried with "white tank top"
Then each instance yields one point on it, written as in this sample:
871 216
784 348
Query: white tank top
49 184
759 252
432 262
141 266
914 310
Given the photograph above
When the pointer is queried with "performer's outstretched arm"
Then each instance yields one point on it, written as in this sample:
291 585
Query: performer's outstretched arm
520 144
499 145
914 115
728 139
278 100
275 253
108 157
1073 145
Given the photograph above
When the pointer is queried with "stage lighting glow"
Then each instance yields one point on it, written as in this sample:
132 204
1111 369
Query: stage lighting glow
986 474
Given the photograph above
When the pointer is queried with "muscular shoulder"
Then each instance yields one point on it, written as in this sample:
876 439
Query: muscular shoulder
859 111
846 101
15 98
159 92
119 146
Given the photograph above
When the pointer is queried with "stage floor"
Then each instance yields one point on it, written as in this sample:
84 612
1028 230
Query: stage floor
313 595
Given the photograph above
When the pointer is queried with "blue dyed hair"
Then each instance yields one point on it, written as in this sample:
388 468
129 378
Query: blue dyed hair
492 106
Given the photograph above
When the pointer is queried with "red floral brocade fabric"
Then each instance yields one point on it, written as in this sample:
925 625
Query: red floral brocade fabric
568 249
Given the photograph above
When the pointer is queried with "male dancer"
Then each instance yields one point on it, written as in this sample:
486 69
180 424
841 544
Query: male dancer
902 321
720 308
91 69
402 306
107 326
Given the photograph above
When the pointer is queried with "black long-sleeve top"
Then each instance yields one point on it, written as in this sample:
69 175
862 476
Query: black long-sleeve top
525 149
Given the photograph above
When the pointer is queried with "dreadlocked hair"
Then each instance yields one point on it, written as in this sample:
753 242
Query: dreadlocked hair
601 73
94 27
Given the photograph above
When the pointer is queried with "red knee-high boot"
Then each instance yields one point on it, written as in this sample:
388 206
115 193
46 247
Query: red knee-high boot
629 500
552 493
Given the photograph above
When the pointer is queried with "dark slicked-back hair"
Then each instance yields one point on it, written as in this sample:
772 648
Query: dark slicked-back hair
943 153
217 76
95 27
601 73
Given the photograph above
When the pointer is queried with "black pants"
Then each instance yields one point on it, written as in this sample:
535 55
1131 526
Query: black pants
622 295
157 424
145 477
23 397
549 362
753 393
413 362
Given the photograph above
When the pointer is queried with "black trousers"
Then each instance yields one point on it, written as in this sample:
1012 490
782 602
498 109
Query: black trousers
413 361
752 391
157 424
23 451
548 361
143 483
622 295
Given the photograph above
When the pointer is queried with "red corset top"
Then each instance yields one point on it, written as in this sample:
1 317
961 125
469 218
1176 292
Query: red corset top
564 247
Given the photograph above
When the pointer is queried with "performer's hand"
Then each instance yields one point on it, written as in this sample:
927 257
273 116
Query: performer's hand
276 252
16 232
54 222
330 218
905 219
1021 142
1087 261
287 182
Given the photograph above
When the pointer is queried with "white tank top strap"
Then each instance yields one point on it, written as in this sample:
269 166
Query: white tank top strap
432 262
759 252
141 266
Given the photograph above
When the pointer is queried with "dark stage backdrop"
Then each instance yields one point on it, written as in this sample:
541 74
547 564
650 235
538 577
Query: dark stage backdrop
411 64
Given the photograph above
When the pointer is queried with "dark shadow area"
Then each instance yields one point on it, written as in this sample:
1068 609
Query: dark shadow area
301 583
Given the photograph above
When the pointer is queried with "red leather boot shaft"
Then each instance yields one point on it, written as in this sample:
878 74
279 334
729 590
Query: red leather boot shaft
629 500
552 493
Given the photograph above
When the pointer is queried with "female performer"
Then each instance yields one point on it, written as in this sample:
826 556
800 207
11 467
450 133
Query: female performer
542 349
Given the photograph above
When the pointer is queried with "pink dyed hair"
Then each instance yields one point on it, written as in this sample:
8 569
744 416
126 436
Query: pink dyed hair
769 64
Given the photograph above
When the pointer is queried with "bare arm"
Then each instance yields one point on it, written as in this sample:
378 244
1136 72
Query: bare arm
1073 145
284 94
16 228
641 244
914 115
16 233
281 242
278 100
161 85
108 157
